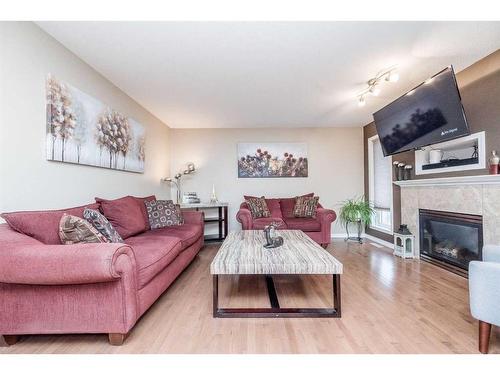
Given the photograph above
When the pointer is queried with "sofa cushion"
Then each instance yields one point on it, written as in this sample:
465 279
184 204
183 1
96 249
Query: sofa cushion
125 214
163 214
73 229
43 225
186 233
264 221
152 254
288 204
305 206
102 225
142 202
305 224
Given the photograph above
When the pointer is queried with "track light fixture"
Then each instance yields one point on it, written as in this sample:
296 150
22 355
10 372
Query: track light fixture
374 90
388 75
393 76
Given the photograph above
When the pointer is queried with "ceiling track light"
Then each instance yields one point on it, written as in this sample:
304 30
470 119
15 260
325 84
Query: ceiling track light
388 75
374 90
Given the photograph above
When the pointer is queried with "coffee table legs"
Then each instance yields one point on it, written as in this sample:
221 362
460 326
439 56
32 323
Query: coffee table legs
275 311
337 305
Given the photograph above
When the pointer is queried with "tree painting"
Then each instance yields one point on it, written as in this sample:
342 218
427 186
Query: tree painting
61 118
83 130
141 152
113 134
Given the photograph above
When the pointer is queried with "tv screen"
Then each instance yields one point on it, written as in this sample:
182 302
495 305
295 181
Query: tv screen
430 113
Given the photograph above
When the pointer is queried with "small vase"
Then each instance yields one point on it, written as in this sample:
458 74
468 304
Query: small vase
494 161
401 171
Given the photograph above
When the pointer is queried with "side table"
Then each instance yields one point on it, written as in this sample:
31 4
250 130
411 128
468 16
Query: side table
221 219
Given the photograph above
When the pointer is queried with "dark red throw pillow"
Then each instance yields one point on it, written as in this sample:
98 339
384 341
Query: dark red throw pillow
142 202
125 214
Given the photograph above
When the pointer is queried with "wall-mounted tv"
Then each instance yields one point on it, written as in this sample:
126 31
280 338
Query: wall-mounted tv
430 113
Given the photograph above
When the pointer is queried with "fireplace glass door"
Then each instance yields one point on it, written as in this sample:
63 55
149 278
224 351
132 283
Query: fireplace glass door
449 237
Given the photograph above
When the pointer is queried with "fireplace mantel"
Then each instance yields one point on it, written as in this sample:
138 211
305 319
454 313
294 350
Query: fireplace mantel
487 179
474 195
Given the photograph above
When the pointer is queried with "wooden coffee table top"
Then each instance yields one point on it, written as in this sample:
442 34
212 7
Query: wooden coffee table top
243 253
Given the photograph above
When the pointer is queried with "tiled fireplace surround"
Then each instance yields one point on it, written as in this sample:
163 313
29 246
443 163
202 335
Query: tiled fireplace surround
477 199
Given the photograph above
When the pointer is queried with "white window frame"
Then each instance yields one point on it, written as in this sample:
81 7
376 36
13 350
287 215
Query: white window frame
371 187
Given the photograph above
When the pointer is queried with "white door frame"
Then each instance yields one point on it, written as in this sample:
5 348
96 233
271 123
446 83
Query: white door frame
371 178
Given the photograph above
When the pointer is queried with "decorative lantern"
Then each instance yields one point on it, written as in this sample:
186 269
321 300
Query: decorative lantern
404 243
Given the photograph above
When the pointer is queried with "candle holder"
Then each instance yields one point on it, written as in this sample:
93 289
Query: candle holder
176 180
401 167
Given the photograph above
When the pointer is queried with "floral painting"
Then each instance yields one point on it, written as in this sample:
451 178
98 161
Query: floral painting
83 130
262 160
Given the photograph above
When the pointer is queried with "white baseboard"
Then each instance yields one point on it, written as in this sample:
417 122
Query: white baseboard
368 237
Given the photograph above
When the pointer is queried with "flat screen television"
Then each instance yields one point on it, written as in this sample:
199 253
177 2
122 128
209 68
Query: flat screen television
430 113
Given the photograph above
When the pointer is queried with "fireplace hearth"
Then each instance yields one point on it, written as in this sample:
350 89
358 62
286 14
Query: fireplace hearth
450 240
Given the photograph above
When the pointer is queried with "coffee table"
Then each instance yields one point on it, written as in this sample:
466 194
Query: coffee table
243 253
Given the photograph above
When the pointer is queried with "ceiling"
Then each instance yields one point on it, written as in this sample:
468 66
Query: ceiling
269 74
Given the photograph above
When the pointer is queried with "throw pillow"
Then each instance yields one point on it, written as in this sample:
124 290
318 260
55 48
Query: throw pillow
163 214
102 225
305 206
73 229
125 214
288 204
141 202
258 207
273 204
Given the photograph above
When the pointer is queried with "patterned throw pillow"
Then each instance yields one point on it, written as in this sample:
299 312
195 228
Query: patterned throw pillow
305 206
163 214
102 225
73 229
258 207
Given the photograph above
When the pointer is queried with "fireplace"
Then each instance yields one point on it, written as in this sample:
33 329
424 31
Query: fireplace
449 239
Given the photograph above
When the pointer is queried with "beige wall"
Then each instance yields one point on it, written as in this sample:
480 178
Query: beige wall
335 164
27 179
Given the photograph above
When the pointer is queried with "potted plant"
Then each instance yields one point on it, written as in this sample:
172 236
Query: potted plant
356 210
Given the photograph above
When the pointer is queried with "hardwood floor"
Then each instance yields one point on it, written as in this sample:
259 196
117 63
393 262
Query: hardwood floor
388 306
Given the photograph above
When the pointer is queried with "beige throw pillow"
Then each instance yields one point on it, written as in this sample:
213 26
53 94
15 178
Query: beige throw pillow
73 229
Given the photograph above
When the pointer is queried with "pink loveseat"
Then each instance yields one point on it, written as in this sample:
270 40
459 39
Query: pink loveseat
318 228
49 288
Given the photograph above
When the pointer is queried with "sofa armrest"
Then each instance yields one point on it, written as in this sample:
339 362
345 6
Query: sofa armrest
193 217
484 294
244 216
42 264
491 253
325 216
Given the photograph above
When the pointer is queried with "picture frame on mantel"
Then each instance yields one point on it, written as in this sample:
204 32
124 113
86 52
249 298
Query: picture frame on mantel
272 160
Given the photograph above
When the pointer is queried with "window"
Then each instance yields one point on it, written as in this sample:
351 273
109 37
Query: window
380 186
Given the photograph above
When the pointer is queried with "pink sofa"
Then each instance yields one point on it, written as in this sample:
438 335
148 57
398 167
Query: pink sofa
319 228
48 288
